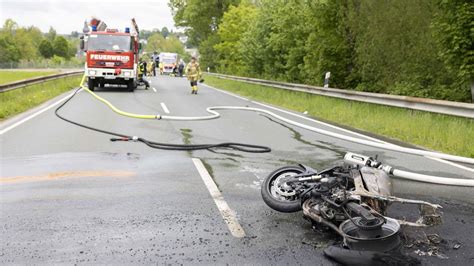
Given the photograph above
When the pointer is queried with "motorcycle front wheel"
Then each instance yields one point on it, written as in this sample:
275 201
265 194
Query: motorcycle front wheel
278 195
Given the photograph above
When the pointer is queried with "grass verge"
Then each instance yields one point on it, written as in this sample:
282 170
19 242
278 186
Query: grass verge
7 76
16 101
449 134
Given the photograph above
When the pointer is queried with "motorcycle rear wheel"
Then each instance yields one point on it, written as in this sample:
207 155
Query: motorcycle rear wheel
271 191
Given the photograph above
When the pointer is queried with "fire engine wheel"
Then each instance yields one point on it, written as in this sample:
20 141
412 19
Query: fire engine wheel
131 85
91 84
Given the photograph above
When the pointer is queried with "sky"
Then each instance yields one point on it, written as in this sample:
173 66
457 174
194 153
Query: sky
66 16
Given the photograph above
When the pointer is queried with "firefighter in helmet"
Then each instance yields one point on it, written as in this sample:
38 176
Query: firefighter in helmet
193 72
141 73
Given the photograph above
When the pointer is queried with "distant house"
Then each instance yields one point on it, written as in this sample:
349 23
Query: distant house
183 38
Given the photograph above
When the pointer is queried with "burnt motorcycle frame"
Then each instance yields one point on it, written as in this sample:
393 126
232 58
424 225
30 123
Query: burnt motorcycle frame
357 193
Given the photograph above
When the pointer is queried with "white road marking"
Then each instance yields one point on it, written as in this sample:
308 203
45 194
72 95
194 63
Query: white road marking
153 88
338 128
451 163
322 123
227 214
226 92
163 106
361 135
5 130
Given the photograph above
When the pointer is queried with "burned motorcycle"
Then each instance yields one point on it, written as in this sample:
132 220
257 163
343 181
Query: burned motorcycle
351 199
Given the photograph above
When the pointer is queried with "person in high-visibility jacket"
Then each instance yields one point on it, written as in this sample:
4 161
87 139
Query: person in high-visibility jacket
193 72
161 67
141 73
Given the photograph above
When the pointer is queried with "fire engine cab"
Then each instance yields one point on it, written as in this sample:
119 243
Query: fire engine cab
111 56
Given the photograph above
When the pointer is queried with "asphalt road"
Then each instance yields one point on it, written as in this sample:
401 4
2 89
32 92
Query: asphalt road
69 195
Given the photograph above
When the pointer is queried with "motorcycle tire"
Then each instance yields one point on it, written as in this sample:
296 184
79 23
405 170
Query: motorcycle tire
275 203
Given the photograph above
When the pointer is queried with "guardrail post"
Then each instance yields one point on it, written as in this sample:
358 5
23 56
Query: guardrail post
472 92
326 79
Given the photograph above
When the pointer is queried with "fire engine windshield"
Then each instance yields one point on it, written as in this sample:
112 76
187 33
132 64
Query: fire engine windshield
109 42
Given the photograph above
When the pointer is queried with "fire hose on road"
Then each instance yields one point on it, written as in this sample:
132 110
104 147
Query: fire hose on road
255 148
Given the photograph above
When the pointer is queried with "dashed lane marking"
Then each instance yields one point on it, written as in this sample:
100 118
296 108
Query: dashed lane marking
165 109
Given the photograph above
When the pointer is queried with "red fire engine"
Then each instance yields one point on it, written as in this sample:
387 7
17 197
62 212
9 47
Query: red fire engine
111 56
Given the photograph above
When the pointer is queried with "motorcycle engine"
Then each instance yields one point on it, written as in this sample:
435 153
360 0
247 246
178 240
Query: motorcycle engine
326 196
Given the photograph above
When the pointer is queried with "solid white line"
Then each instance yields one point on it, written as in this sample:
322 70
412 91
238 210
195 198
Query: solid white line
226 92
322 123
163 106
451 163
361 135
153 89
227 214
338 128
5 130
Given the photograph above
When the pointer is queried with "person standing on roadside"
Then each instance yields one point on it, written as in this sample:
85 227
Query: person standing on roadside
161 67
181 67
193 72
150 68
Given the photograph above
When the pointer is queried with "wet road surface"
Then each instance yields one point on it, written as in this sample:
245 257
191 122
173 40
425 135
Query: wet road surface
70 195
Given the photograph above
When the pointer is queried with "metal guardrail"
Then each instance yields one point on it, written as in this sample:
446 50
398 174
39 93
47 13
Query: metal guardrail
423 104
26 82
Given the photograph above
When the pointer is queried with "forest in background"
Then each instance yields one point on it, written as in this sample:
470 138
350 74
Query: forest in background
28 46
420 48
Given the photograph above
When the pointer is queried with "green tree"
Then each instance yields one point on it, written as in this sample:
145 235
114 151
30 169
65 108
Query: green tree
73 46
27 41
51 35
145 34
157 43
200 18
8 51
454 31
254 44
208 55
165 32
329 46
419 48
273 47
9 26
18 43
397 53
46 48
235 23
61 47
